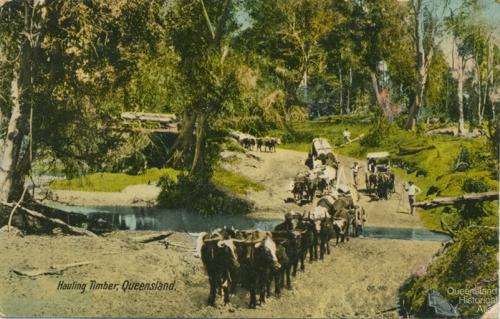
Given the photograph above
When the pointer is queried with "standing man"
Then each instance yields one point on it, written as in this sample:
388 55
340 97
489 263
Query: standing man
412 191
355 170
347 136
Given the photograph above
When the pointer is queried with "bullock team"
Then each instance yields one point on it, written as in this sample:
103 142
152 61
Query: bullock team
380 179
253 259
261 144
322 173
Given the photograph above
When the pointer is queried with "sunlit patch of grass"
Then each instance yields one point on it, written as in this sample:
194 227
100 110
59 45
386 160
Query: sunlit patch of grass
234 182
111 182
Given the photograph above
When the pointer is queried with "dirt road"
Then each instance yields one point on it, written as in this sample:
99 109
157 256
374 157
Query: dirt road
359 279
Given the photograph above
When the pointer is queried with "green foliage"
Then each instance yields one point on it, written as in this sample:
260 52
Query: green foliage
112 182
463 161
205 198
470 263
235 183
377 133
475 186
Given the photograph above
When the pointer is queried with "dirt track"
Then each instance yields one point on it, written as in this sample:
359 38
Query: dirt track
359 278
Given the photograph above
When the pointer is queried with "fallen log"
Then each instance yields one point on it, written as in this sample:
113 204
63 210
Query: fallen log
151 238
353 140
149 117
70 229
409 151
444 201
168 244
52 270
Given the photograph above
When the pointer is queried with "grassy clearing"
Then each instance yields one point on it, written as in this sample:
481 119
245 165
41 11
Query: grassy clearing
111 182
234 182
116 182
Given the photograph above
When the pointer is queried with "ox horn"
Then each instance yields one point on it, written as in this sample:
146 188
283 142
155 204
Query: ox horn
219 237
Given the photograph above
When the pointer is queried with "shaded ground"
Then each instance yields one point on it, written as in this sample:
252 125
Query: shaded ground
359 278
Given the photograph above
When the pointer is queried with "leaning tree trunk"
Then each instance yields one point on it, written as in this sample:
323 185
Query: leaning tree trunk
199 151
375 88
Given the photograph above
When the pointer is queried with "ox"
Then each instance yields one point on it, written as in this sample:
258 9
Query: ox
220 260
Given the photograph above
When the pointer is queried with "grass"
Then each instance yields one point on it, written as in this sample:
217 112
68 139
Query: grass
116 182
111 182
234 182
432 170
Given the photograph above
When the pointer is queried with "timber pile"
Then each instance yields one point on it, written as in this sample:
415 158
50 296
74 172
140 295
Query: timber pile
444 201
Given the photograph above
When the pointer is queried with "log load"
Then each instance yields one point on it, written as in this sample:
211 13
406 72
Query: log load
444 201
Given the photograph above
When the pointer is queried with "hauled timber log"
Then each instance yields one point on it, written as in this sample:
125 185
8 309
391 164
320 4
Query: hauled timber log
444 201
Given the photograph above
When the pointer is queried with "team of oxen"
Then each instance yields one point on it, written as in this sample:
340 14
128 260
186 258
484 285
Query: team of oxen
253 259
379 178
321 176
250 142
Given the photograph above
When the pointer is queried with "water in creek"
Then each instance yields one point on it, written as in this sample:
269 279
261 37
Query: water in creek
152 218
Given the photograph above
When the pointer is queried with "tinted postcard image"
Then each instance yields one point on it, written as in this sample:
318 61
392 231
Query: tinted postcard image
249 158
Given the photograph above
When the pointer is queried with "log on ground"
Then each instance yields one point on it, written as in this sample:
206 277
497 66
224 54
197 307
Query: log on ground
444 201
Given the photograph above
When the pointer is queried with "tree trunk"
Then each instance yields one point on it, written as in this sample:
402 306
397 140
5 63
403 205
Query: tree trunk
348 106
12 171
421 66
375 88
479 94
199 151
490 77
341 93
12 143
460 93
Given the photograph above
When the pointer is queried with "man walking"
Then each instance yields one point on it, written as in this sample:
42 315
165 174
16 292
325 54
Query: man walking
412 191
347 136
355 170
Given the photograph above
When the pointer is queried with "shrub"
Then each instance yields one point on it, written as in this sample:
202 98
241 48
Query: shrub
470 263
378 133
297 137
204 197
463 161
475 186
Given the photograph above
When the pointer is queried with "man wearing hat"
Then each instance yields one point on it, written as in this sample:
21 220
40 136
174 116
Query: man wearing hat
412 191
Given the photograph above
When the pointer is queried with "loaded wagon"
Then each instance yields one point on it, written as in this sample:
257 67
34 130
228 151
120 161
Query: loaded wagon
321 151
379 178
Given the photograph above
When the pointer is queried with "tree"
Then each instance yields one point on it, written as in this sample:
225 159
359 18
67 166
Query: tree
63 62
202 39
287 36
428 26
